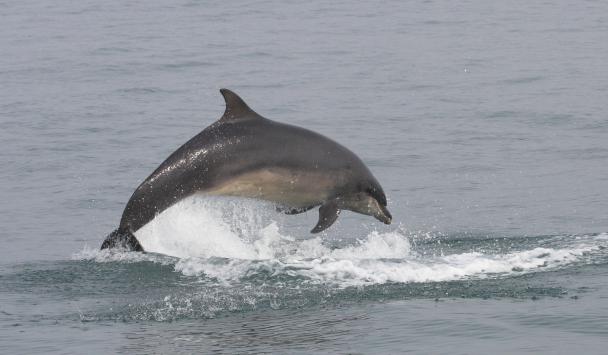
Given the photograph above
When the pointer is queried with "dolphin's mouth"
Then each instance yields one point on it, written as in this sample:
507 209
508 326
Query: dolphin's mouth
384 216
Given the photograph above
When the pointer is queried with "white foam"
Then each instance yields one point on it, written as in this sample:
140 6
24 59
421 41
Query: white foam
382 258
211 227
119 255
230 239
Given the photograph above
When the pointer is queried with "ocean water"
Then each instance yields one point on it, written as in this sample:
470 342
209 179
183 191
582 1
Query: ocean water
485 122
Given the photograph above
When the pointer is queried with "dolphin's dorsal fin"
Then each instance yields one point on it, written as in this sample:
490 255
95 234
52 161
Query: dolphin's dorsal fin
236 108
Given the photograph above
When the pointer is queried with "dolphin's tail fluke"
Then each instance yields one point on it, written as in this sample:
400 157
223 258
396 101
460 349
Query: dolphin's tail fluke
122 239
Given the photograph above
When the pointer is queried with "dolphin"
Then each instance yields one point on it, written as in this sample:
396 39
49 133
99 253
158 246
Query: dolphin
246 155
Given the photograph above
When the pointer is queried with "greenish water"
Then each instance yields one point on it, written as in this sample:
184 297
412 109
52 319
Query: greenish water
480 290
484 122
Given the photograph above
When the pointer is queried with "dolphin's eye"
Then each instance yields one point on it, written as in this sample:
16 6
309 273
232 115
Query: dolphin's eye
377 195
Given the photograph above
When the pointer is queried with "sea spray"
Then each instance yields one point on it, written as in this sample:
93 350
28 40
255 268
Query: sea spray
229 240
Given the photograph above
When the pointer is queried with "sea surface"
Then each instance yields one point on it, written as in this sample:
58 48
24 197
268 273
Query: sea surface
486 123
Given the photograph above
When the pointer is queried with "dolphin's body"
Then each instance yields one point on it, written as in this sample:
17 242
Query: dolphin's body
244 154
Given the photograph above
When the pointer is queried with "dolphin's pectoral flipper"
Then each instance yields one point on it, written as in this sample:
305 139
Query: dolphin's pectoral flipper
328 213
292 210
122 239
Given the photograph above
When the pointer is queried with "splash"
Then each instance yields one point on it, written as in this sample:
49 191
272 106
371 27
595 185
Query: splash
234 240
384 258
213 227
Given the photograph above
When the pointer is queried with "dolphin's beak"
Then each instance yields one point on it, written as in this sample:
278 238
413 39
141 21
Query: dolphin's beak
380 212
369 206
383 215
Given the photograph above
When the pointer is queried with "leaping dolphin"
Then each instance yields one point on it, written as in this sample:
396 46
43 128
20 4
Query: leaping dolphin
244 154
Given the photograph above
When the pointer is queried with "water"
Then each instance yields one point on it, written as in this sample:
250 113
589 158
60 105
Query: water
485 123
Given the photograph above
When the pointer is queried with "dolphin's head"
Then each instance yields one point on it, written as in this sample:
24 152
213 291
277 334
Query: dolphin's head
368 199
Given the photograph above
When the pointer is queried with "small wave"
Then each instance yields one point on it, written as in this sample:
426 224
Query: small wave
384 258
120 255
234 240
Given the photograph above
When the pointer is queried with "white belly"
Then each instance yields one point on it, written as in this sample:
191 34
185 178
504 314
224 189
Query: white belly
284 186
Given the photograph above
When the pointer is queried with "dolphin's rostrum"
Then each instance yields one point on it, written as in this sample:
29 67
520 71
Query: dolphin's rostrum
244 154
